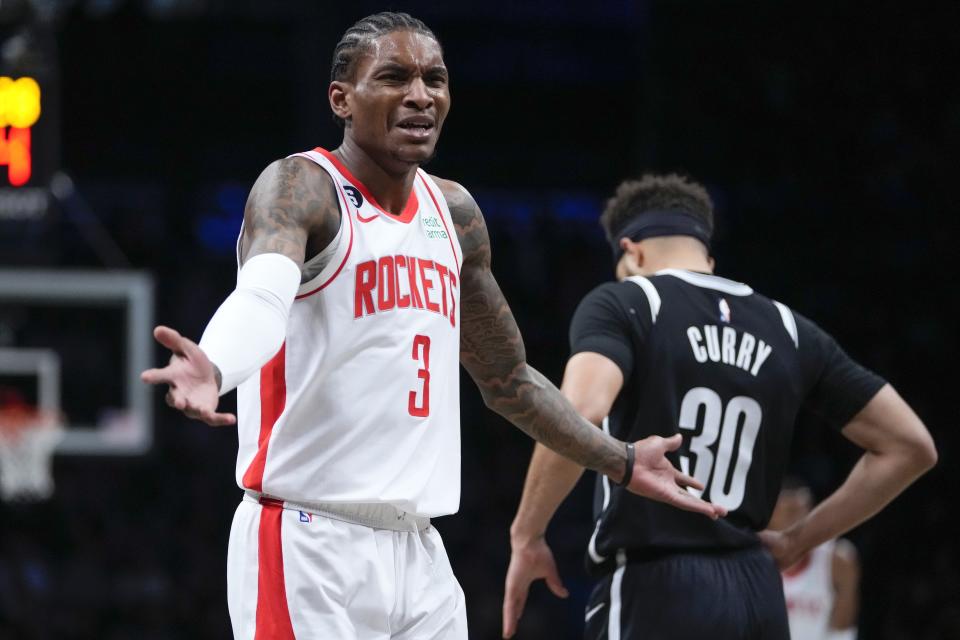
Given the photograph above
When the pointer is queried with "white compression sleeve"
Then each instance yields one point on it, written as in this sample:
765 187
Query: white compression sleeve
251 324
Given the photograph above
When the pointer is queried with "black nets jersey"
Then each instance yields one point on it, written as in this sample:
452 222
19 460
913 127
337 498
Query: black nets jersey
727 368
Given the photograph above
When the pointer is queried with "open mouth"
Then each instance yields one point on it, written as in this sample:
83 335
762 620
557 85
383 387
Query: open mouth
416 126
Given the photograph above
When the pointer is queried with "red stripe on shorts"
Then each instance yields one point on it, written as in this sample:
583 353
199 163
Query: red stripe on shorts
273 616
273 397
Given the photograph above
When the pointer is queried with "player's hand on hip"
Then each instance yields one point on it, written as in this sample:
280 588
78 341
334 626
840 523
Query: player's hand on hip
656 478
529 561
190 378
781 547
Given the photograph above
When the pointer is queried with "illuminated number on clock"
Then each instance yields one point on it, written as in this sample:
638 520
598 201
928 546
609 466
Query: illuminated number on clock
15 155
19 110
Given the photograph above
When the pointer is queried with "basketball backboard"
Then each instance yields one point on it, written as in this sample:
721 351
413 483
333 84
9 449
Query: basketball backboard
75 342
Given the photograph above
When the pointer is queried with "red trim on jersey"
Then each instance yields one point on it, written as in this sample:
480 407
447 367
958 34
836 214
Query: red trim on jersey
456 261
273 397
273 614
346 212
409 210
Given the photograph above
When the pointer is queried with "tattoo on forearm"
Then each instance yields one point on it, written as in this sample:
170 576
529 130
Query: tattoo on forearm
492 351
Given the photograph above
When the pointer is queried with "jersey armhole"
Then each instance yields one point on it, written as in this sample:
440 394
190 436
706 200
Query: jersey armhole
321 260
338 251
443 210
789 322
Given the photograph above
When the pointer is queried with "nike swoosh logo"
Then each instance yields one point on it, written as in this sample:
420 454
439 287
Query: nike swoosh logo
593 611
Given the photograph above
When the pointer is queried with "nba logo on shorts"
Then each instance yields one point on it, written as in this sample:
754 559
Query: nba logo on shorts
724 310
306 517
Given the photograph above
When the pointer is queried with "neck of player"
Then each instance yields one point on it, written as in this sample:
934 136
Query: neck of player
389 185
647 257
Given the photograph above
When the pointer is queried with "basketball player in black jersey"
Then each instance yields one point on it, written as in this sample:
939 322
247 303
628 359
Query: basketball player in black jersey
672 350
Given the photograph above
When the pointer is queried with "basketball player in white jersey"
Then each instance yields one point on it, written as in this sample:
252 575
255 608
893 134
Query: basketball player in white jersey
363 284
822 589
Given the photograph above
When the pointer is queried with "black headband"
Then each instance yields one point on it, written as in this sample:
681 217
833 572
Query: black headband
652 224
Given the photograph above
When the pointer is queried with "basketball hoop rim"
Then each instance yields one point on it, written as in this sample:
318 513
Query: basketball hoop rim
16 420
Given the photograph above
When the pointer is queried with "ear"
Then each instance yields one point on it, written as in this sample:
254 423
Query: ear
633 249
633 254
712 263
339 95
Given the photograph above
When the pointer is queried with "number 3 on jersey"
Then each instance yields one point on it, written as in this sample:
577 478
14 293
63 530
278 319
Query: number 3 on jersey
421 353
705 466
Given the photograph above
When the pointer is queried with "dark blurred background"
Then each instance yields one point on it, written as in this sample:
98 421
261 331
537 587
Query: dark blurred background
825 132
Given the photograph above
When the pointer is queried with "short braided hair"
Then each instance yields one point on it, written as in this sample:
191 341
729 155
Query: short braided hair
654 192
356 41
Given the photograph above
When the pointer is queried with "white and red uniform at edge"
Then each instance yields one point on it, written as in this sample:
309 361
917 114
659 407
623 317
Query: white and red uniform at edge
361 404
808 589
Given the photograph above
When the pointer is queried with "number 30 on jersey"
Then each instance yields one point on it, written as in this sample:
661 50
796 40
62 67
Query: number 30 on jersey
713 470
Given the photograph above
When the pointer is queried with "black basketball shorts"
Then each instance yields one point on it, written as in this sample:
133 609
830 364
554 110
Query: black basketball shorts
734 595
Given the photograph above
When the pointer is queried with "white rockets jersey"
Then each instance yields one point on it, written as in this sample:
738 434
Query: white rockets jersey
808 589
362 402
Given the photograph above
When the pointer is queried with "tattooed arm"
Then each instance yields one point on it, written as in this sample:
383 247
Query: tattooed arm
491 349
292 210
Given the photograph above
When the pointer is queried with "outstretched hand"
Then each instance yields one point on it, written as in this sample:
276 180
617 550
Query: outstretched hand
655 478
528 562
191 379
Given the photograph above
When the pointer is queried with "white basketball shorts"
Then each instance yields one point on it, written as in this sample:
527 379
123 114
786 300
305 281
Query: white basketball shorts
344 572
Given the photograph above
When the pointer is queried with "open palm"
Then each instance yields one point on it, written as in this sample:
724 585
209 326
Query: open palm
191 379
656 478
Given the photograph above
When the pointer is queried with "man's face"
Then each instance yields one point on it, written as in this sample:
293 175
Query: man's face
399 98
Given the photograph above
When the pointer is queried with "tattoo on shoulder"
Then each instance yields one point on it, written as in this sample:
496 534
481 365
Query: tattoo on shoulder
292 205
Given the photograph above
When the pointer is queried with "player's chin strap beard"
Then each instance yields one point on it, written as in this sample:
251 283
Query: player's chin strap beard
656 223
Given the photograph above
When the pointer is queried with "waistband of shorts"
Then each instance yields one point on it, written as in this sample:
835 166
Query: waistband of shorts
371 514
646 555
